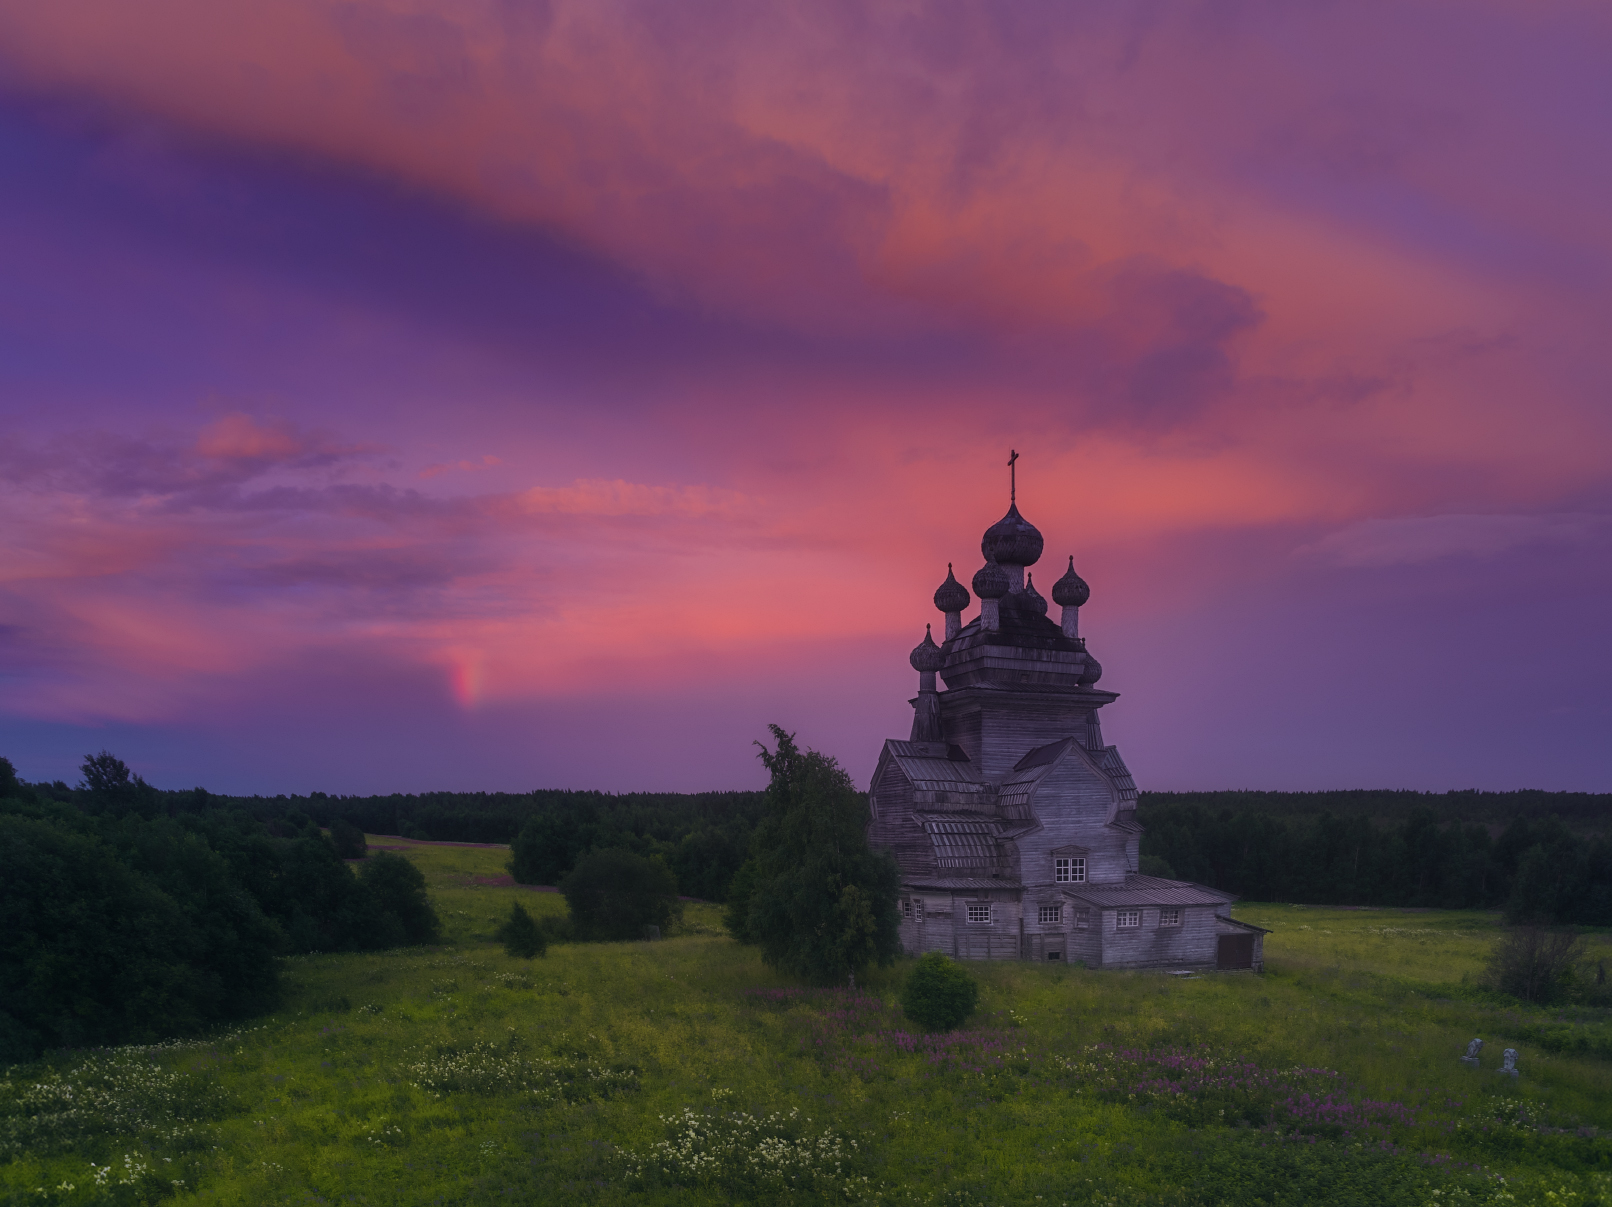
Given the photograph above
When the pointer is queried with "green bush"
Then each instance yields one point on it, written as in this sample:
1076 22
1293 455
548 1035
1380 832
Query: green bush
616 894
939 994
520 935
348 839
398 887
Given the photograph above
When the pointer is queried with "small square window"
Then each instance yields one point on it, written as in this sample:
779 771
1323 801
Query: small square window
1082 919
980 913
1066 869
1169 917
1127 917
1054 955
1050 915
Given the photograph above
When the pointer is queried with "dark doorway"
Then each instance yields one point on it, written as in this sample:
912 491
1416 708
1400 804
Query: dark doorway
1235 951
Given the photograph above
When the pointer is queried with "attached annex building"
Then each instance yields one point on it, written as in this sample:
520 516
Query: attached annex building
1013 823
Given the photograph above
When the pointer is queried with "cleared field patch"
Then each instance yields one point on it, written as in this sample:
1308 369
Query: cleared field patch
684 1071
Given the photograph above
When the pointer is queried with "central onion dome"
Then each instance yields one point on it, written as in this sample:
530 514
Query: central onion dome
1071 590
990 580
1012 541
926 656
1031 598
951 596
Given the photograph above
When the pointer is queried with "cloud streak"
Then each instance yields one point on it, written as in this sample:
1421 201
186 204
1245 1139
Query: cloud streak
1413 540
509 357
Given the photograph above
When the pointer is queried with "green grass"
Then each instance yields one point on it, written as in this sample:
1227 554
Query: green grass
460 1075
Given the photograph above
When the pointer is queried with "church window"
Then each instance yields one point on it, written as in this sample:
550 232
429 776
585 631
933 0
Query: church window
1067 869
1082 919
1169 917
1127 917
979 912
906 907
1050 915
918 909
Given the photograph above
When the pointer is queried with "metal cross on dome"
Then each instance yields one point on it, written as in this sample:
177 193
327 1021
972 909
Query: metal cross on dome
1013 476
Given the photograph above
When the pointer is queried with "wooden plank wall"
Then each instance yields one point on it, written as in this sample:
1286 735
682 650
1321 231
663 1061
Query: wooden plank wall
1073 802
1190 945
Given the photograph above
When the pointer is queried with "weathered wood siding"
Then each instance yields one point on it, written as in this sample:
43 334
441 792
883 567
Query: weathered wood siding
894 828
1190 945
1073 802
998 736
998 939
934 932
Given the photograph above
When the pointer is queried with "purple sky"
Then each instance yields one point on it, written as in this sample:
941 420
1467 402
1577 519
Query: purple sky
414 396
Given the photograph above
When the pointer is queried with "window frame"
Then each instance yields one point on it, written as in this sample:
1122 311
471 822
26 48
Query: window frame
1050 915
1170 915
984 907
1127 919
1069 869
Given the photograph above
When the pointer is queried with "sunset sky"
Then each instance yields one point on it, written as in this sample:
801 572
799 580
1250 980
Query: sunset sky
401 395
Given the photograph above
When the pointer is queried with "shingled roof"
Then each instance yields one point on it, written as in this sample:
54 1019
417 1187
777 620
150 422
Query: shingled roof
1147 890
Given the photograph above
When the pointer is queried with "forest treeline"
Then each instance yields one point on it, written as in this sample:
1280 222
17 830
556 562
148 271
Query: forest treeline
127 920
1581 811
1360 847
702 837
1537 870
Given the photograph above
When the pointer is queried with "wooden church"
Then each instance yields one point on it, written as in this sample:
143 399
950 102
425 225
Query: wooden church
1013 822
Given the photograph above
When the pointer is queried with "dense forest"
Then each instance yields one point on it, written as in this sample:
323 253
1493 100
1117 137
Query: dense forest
1464 849
133 911
128 920
228 881
702 837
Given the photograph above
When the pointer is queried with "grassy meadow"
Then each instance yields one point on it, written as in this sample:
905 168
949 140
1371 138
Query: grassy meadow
684 1071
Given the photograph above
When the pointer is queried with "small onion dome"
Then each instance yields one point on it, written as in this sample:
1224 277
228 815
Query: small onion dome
1091 672
926 657
990 580
1032 597
1071 590
1012 540
951 596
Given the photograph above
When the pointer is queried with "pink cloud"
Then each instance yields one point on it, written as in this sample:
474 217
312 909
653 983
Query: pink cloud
1236 281
239 437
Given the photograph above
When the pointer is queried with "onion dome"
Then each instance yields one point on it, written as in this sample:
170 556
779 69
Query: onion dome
1012 540
1031 598
1091 672
990 580
951 596
926 657
1071 590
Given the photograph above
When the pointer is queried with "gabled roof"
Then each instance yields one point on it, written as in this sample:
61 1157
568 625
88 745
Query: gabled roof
1241 925
933 767
1019 784
962 840
962 882
1147 890
1114 767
